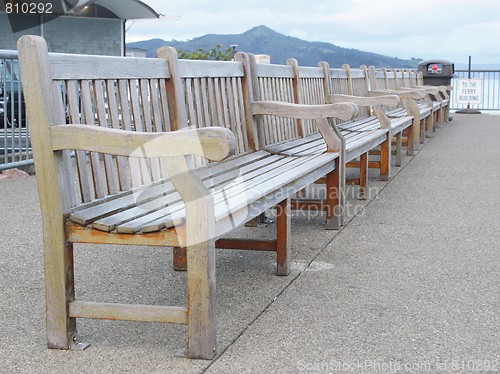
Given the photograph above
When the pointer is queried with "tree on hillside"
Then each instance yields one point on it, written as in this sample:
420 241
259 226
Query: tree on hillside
214 54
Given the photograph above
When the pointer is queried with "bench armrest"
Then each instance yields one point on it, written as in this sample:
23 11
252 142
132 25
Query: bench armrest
389 100
343 111
442 88
429 89
334 140
214 143
402 94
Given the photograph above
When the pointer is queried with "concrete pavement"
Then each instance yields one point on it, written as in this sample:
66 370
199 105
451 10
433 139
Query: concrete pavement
410 284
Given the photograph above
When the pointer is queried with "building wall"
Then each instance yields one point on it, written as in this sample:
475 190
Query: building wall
67 34
8 40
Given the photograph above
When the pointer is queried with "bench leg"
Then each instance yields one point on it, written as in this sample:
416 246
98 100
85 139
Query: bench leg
425 122
430 127
334 198
363 176
399 147
441 117
283 226
201 291
385 159
410 147
59 291
417 123
179 258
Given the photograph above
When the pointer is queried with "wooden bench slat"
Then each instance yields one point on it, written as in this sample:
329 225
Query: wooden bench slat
399 124
247 180
304 170
196 69
121 162
141 174
72 91
363 145
128 312
86 215
102 118
294 143
72 66
127 219
307 149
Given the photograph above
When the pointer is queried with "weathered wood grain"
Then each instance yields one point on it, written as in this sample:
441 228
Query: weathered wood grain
345 111
212 143
57 252
128 312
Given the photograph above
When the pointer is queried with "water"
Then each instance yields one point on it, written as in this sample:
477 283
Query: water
490 92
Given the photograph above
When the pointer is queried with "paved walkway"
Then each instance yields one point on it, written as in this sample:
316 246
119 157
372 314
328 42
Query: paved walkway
411 284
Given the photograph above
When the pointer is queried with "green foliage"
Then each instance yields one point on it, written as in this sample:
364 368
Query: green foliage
214 54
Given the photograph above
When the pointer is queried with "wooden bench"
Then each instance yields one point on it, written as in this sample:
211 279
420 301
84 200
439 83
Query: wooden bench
383 81
306 85
297 137
428 110
404 82
355 82
416 80
135 178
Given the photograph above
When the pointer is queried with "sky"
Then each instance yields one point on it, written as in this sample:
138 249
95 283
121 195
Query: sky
450 30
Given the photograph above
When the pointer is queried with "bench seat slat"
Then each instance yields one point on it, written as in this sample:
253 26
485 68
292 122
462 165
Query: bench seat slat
145 195
357 148
274 190
88 215
353 124
240 195
308 149
238 186
294 143
370 125
399 124
130 220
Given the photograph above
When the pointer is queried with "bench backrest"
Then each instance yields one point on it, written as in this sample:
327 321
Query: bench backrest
399 79
285 83
358 84
406 80
419 77
390 79
295 84
214 97
127 93
413 77
276 83
377 78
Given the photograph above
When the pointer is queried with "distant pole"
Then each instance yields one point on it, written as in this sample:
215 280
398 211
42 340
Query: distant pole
469 65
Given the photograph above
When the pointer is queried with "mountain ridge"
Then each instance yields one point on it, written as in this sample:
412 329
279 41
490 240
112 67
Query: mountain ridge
263 40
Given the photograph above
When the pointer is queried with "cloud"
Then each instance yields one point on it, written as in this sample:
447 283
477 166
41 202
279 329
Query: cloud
447 29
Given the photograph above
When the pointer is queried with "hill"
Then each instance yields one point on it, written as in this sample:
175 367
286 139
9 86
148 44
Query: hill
263 40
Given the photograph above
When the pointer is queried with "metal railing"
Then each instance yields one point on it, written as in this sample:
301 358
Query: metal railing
490 92
15 147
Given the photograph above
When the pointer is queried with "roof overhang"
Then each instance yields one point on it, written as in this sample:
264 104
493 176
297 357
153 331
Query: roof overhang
125 9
